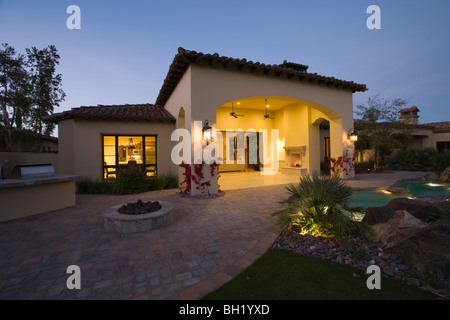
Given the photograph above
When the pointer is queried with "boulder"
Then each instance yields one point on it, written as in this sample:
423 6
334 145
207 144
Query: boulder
402 226
375 215
420 209
428 247
445 176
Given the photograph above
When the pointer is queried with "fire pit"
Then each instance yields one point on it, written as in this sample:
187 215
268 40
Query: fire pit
139 207
138 216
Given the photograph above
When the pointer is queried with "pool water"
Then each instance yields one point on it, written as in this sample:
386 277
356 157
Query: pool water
424 188
418 188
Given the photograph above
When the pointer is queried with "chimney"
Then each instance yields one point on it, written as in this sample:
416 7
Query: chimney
409 115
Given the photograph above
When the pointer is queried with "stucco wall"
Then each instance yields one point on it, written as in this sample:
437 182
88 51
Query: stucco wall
440 136
21 158
81 144
212 87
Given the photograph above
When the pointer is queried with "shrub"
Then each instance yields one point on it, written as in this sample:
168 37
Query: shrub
89 186
420 160
128 181
365 167
163 181
320 205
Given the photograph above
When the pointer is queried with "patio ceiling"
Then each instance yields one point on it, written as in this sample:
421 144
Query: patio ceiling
258 103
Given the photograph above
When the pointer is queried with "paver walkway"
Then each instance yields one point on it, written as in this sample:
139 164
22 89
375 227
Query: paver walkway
209 242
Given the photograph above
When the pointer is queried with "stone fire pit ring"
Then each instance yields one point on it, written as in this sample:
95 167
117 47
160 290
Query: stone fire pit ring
126 223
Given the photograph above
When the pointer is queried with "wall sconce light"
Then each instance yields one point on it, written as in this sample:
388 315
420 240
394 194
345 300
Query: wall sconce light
352 135
207 132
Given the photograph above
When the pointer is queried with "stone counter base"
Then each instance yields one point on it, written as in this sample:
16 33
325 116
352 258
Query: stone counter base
123 223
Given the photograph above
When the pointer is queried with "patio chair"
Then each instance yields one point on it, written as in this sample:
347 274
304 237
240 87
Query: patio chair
107 170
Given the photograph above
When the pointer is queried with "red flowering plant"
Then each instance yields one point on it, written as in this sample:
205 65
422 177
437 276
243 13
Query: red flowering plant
335 166
197 177
344 164
187 178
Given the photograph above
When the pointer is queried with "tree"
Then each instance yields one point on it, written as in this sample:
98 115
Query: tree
13 90
29 90
380 129
46 91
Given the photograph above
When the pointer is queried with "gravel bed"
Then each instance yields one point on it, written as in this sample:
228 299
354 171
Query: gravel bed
357 253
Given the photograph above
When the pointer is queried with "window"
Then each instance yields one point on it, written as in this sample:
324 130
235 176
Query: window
124 151
443 145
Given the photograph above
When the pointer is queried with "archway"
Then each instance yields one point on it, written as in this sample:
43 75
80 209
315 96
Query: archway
298 145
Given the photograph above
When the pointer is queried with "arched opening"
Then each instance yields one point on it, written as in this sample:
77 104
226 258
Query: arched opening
303 136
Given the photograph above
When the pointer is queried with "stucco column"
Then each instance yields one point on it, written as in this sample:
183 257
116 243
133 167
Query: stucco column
204 175
341 147
337 137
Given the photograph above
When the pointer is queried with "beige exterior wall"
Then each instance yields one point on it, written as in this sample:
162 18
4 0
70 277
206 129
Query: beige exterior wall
440 136
22 158
181 98
213 87
81 144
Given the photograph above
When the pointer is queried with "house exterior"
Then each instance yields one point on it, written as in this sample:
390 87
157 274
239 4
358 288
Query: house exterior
432 135
277 110
426 135
95 141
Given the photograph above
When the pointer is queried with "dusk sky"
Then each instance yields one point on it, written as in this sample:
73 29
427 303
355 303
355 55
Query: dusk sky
123 50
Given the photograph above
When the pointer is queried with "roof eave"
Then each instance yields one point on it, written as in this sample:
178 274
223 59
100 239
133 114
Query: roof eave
184 58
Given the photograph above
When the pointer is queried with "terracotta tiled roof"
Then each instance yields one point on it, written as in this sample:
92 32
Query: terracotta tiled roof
184 58
443 126
134 112
411 109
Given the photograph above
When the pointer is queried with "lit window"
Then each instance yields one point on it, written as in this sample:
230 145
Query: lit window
125 151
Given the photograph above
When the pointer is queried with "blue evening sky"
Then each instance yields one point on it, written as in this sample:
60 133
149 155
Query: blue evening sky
124 48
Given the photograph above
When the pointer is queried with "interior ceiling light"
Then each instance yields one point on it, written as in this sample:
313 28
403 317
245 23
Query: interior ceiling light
232 113
266 116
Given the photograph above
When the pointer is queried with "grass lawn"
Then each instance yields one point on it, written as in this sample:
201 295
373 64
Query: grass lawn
284 275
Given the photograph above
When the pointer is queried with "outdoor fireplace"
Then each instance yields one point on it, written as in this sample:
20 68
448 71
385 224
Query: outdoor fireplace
295 160
294 163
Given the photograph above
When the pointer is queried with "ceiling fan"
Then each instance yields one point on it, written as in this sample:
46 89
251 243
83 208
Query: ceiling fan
232 113
266 116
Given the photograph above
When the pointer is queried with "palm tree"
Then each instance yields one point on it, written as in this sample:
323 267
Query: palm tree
320 205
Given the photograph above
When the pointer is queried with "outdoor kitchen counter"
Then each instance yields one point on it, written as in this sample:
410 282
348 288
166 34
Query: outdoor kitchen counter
12 183
29 196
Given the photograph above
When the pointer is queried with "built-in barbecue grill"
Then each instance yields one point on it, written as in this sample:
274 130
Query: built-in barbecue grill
33 171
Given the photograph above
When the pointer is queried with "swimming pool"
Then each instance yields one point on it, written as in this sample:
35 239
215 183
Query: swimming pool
418 188
424 188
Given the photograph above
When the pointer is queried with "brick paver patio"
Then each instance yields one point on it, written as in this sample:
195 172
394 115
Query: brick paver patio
209 242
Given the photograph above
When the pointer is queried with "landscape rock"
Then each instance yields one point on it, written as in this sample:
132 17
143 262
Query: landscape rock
422 210
428 248
445 176
402 226
390 264
375 215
